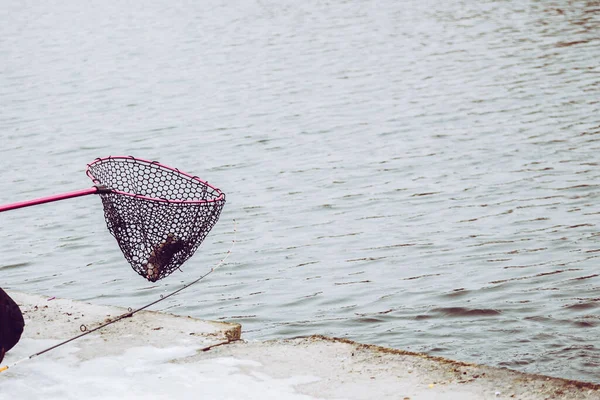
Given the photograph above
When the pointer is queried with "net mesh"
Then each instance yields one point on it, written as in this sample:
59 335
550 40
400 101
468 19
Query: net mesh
158 215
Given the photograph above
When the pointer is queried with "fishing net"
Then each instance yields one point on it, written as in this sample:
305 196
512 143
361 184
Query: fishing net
158 215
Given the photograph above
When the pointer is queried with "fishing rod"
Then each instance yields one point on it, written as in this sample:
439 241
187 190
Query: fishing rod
129 312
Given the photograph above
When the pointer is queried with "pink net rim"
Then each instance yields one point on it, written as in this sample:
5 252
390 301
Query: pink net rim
221 195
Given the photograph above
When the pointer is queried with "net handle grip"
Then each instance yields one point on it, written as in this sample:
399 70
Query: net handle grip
57 197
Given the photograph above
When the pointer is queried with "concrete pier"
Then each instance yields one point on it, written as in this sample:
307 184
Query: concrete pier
160 356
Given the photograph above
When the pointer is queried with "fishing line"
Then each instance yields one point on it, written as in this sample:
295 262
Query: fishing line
129 312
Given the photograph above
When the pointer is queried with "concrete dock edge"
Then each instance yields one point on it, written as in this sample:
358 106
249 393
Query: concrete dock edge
321 367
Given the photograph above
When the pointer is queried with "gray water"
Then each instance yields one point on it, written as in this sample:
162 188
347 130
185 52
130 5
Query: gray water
414 174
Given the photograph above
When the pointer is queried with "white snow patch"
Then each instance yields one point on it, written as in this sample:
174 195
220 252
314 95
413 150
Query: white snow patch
139 373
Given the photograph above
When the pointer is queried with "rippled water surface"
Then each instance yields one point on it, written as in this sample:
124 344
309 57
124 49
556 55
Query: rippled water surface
415 174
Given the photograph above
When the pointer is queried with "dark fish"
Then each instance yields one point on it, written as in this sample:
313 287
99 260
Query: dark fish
11 323
161 256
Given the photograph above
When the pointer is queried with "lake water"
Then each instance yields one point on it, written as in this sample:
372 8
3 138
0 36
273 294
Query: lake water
414 174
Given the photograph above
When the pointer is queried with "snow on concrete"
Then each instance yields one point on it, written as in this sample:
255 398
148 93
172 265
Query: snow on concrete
161 356
140 373
142 357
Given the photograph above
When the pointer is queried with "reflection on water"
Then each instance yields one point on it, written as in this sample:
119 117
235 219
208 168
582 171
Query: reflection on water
407 175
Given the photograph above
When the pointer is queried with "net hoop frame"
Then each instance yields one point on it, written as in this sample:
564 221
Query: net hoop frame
132 159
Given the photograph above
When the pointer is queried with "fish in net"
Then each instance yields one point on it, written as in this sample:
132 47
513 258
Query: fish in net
158 214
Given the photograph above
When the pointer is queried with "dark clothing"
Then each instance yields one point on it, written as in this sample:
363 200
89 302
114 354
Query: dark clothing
11 323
